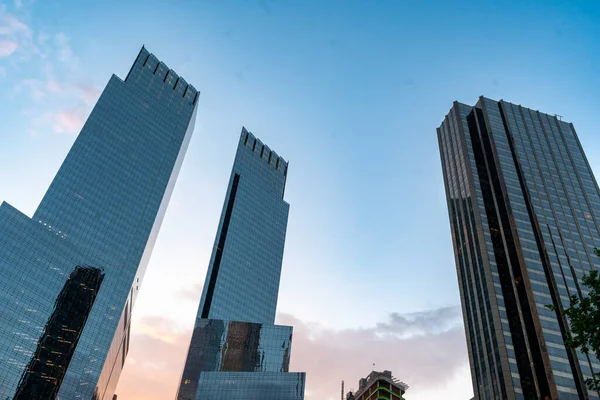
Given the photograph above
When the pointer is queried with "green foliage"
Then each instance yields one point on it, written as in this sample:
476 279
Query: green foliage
584 316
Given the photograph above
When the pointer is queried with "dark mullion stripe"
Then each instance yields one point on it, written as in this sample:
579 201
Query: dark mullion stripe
465 275
585 194
564 184
537 229
484 307
500 231
532 133
478 237
473 269
220 247
589 168
546 383
467 296
560 189
581 187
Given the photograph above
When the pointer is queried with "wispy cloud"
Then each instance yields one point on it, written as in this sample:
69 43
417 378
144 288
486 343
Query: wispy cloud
425 349
192 292
88 92
39 89
70 120
34 87
424 322
64 51
10 24
66 106
7 47
157 328
50 73
14 33
153 366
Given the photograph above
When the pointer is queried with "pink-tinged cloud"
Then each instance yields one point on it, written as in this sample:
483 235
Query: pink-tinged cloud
426 350
155 361
52 84
13 33
7 47
89 93
70 120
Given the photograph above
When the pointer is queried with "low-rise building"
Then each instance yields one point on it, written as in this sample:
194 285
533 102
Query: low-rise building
379 385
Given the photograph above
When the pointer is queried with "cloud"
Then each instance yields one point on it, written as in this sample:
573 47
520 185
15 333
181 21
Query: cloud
89 93
153 366
39 89
70 120
431 321
192 293
63 93
68 105
14 33
11 25
427 350
157 328
52 83
7 47
64 52
35 88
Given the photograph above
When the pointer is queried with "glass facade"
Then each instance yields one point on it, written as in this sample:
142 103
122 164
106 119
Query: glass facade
69 276
236 351
235 346
251 386
524 209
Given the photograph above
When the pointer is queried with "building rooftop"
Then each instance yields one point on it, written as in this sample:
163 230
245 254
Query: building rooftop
374 376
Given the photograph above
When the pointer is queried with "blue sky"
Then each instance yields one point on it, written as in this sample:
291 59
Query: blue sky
350 92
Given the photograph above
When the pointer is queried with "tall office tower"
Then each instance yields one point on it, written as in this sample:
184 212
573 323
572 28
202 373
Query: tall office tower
69 276
236 351
524 213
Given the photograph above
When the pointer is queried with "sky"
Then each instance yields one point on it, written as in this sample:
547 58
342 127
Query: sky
351 93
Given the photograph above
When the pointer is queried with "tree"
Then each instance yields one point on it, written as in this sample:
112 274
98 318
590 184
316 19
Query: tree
584 317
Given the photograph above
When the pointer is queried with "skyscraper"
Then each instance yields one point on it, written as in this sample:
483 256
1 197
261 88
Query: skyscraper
70 275
236 351
524 214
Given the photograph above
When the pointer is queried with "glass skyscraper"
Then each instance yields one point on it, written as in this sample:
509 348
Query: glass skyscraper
70 275
236 351
525 217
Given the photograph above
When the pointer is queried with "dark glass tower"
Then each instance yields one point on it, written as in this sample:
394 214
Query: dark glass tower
43 376
524 213
236 351
69 276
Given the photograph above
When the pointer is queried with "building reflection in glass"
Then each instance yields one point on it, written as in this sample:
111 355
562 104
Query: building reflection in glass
233 346
237 351
43 375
